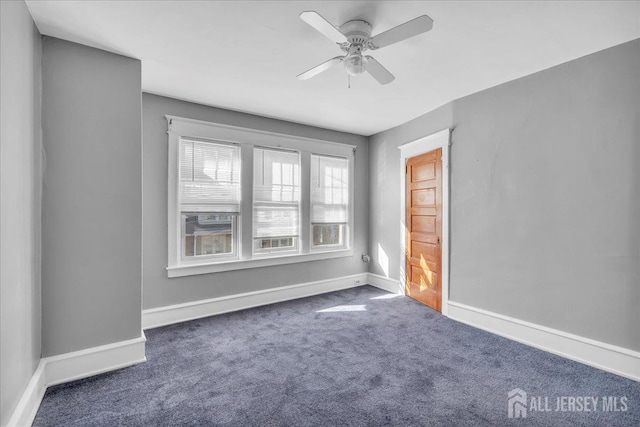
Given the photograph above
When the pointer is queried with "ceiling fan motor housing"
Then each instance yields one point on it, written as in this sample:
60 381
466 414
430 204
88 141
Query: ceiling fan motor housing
357 32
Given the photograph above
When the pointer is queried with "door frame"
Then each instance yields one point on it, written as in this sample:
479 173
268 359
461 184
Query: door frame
441 139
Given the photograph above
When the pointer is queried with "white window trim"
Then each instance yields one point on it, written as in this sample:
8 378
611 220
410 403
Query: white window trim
423 145
248 139
261 261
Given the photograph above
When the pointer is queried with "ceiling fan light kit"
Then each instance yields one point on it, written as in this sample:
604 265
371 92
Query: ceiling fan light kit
353 64
354 37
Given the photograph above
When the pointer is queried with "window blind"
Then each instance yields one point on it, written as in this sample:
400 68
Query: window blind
329 190
209 177
276 193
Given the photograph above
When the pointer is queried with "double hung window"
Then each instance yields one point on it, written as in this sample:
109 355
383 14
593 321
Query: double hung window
209 199
276 200
241 198
329 200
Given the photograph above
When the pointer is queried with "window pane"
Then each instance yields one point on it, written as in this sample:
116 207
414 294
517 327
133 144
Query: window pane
328 234
209 176
276 199
207 234
276 176
274 221
269 244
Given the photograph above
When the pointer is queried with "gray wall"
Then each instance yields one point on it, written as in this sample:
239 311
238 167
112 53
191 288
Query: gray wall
92 197
20 181
161 291
545 196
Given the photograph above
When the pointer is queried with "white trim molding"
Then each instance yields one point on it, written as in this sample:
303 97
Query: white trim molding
193 269
237 134
423 145
168 315
73 366
610 358
93 361
386 284
161 316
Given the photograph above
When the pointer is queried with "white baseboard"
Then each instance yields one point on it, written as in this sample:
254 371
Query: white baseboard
72 366
25 411
162 316
93 361
610 358
168 315
384 283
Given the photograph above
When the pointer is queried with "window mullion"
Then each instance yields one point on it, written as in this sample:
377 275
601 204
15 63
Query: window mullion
305 202
245 219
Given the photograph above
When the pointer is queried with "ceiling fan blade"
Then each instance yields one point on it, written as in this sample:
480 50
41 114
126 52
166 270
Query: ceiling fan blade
381 74
320 68
416 26
323 26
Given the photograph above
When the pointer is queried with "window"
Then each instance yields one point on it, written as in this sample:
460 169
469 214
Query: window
329 201
209 197
241 198
276 200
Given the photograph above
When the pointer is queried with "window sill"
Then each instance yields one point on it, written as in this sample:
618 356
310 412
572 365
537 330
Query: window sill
194 269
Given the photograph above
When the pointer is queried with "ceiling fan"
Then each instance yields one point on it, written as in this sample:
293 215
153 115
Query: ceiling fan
354 37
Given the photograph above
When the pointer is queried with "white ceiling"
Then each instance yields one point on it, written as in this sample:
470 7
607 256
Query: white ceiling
245 55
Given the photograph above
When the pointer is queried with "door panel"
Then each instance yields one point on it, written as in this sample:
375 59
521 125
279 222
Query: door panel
427 251
424 197
424 228
423 223
427 171
425 279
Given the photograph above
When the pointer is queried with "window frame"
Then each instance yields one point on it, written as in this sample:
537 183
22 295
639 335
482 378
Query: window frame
348 226
248 139
233 255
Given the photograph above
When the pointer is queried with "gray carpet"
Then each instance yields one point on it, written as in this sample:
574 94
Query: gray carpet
368 360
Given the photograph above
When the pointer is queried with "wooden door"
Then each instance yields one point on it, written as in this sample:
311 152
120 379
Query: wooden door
424 228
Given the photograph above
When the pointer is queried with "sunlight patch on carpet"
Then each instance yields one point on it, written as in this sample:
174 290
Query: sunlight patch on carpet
339 308
387 296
